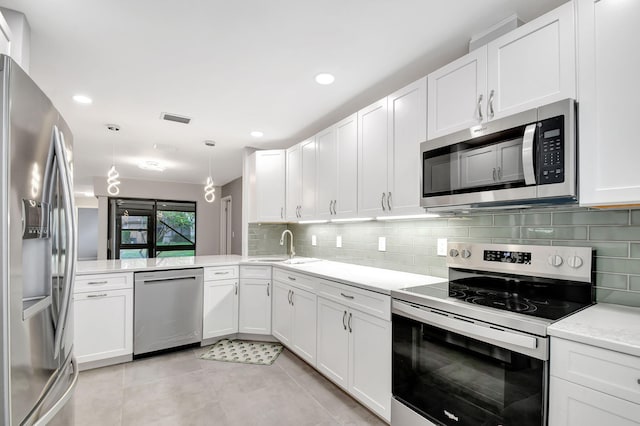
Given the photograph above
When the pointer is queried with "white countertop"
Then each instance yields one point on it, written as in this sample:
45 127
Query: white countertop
366 277
86 267
607 326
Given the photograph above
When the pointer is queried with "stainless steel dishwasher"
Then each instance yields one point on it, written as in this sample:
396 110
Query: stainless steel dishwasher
167 309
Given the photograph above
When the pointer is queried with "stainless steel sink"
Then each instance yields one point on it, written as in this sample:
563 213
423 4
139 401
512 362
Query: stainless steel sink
268 259
300 260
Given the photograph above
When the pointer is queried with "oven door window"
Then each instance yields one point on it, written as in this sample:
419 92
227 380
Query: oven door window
454 380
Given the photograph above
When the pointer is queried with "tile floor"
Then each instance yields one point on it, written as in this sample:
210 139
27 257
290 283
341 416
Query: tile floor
179 389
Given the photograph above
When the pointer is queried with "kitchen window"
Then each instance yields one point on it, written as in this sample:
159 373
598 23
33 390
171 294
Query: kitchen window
151 228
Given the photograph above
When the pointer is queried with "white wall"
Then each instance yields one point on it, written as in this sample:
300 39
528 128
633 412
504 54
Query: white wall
207 214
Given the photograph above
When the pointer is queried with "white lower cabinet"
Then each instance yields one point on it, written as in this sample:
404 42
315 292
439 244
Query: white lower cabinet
592 386
103 318
254 315
220 301
354 351
220 308
574 405
294 320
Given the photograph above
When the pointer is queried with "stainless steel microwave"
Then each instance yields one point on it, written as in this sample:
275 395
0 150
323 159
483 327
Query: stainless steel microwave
525 159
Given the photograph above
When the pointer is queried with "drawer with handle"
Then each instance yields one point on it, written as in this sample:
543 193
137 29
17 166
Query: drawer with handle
102 282
294 279
220 273
256 271
373 303
611 372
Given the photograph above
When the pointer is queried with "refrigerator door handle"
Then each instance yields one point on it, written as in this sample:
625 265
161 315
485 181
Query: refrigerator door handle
70 234
46 417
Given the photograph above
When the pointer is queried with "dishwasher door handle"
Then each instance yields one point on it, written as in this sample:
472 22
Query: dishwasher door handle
159 280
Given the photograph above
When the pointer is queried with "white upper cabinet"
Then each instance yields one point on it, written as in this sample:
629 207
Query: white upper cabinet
533 65
346 202
609 90
337 151
530 66
407 125
389 136
294 182
301 180
268 193
457 94
372 159
328 172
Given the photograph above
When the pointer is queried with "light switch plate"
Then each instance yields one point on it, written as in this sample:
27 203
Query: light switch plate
442 246
382 244
339 241
314 240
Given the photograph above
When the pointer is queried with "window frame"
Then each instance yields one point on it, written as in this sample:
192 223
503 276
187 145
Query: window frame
115 219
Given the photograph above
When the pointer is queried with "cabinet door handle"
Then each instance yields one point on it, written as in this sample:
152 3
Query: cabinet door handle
389 201
268 284
499 173
292 294
490 108
236 286
344 316
382 201
330 204
97 295
347 296
292 278
289 297
97 282
281 212
334 206
220 273
350 316
494 174
480 116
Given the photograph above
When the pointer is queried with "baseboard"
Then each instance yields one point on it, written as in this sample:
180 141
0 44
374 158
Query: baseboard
105 362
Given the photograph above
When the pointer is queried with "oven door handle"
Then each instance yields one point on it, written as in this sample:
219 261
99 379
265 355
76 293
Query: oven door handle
527 154
465 326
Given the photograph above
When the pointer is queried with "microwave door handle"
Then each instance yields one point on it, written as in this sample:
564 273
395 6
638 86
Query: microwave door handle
527 154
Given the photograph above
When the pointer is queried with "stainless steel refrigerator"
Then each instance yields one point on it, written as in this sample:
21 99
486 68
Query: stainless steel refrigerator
37 254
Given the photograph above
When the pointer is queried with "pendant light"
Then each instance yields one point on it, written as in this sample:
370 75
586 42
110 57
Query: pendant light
209 189
112 175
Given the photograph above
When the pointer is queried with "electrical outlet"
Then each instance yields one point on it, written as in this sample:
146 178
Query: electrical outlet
314 240
442 246
339 241
382 244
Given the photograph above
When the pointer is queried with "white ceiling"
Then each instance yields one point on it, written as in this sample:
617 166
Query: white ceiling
233 66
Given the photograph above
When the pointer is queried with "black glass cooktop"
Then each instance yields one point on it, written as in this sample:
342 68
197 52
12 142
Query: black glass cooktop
537 297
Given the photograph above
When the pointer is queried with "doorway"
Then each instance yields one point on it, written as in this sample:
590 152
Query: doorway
226 225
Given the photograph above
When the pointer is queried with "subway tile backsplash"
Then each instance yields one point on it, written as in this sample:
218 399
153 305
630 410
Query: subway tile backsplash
411 245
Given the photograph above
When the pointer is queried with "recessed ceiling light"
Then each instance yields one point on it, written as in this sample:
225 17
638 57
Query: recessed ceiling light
82 99
325 78
257 134
152 165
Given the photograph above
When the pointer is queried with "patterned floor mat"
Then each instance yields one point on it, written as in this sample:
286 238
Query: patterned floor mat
244 351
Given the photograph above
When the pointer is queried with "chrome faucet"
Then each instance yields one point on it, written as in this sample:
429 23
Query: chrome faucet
293 253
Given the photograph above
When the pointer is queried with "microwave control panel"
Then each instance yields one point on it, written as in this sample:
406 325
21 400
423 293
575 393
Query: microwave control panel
551 151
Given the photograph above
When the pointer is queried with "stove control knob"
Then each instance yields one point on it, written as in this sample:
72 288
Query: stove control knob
453 253
575 261
555 260
466 254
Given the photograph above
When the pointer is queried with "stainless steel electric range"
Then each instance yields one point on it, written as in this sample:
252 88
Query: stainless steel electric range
475 351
